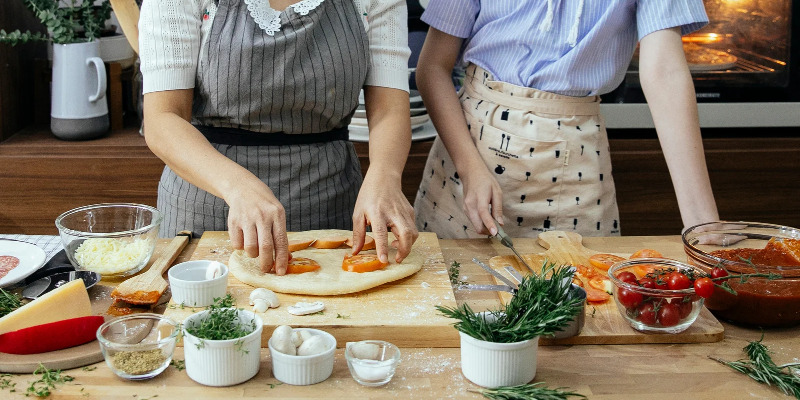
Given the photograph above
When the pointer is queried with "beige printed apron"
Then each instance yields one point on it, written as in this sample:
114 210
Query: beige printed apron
548 152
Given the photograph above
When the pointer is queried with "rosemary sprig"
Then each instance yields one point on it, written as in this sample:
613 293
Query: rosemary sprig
221 322
9 302
541 306
761 368
527 392
453 272
49 378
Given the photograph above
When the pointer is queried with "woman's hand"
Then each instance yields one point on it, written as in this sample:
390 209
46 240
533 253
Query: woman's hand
256 220
257 225
483 199
382 205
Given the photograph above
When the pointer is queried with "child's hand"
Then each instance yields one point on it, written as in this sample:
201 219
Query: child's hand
483 200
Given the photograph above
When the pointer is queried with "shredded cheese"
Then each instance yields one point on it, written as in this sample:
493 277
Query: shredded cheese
112 256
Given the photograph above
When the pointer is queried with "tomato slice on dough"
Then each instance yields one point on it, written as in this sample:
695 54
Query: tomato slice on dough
369 243
362 263
296 245
329 242
647 253
604 261
299 265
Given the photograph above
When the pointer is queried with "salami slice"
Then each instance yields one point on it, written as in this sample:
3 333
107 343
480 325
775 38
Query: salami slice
7 263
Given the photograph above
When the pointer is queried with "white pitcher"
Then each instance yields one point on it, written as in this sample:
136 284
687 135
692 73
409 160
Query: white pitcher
78 108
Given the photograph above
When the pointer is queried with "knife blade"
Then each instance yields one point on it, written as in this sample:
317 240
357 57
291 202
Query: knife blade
505 240
495 274
489 288
48 283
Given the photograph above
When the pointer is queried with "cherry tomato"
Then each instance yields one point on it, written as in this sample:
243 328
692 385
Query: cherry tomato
685 307
647 313
627 277
647 282
629 298
718 272
604 261
678 281
669 314
704 287
661 282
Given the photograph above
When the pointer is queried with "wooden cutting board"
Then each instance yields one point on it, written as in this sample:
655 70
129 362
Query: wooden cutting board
603 322
401 312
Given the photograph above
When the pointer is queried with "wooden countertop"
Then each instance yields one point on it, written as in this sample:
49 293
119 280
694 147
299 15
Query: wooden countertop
649 371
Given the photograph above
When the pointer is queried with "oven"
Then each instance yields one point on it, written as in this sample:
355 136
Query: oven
745 65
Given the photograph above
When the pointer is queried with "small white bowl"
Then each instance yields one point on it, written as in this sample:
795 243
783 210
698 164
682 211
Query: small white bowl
190 286
492 365
372 362
223 362
304 370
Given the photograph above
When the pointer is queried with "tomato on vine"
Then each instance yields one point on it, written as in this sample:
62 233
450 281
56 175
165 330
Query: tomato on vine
678 281
718 272
704 287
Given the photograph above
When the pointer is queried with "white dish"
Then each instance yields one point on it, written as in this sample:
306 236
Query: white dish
190 286
30 256
420 132
304 370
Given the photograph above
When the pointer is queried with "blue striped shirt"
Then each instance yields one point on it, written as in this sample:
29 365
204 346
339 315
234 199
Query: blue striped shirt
505 37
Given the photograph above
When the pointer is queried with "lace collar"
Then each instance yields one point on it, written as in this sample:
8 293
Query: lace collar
269 19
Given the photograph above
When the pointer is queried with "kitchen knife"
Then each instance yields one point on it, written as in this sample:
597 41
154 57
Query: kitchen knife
48 283
505 240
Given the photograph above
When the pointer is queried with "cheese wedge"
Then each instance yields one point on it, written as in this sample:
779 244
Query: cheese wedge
68 301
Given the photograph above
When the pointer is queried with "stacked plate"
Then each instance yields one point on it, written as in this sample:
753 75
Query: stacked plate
421 125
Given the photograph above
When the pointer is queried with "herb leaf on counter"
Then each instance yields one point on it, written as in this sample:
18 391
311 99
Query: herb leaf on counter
47 382
525 392
9 302
542 306
761 368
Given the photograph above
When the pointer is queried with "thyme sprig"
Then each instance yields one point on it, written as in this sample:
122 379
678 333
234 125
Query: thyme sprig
221 322
526 392
542 306
453 271
43 386
760 367
9 302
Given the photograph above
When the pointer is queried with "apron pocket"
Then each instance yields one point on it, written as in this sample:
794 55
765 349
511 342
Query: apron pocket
516 159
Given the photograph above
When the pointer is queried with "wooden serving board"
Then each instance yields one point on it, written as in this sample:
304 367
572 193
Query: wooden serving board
603 322
401 312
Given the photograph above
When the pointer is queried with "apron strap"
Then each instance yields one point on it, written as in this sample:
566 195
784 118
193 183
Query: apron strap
241 137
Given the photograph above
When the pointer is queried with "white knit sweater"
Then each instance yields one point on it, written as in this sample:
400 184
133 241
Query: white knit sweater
173 33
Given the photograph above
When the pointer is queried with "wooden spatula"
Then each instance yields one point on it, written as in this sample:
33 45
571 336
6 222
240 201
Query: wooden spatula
147 288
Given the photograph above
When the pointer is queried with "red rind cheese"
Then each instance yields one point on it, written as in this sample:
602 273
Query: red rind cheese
51 337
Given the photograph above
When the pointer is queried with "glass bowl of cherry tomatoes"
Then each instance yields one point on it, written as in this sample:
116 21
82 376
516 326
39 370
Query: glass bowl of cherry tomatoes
756 267
659 295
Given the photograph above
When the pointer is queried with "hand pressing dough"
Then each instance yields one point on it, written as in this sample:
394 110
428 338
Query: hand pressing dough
330 279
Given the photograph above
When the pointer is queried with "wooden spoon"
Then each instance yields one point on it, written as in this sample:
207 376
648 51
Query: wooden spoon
148 287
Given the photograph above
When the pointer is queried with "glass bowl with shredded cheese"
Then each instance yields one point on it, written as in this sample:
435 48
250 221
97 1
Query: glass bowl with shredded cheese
112 239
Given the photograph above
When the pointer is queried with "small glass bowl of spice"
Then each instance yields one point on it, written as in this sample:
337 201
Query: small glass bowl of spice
138 346
372 362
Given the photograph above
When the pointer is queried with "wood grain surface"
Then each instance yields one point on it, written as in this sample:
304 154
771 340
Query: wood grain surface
401 312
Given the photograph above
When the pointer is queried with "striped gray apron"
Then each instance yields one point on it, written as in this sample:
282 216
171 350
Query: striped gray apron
279 106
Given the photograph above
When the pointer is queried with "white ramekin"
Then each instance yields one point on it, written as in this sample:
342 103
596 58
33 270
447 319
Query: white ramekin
304 370
223 362
491 365
189 285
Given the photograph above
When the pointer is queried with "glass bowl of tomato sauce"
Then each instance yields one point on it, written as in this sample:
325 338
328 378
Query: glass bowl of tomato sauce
657 295
760 263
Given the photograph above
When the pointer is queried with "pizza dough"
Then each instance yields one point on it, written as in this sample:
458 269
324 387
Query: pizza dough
330 279
701 58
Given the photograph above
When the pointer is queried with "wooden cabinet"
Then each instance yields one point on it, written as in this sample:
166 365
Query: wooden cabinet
754 178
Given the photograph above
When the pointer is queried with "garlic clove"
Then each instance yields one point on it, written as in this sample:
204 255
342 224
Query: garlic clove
313 345
302 308
213 271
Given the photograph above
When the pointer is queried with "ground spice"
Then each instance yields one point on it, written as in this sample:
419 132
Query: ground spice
138 362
